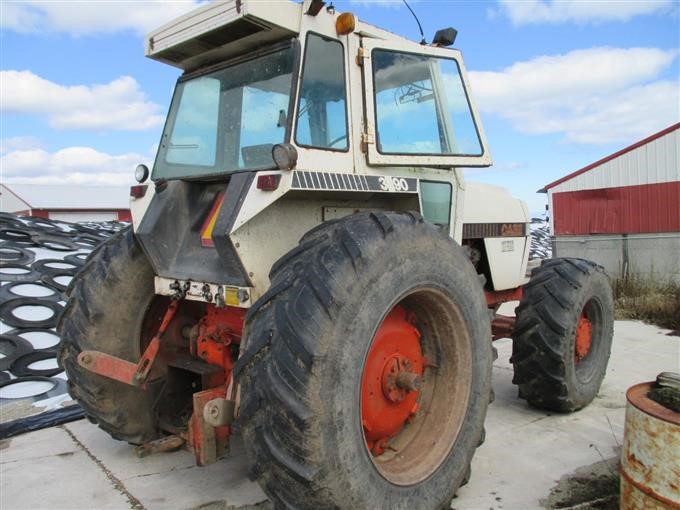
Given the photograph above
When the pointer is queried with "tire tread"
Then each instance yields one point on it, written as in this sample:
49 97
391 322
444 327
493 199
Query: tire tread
277 376
544 320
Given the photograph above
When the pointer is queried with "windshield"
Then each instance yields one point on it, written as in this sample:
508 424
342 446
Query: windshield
227 120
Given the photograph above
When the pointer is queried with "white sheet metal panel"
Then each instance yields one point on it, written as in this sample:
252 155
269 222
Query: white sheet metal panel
48 196
508 258
486 203
11 202
652 163
76 216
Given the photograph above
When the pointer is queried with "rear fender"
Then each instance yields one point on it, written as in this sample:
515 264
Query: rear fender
270 223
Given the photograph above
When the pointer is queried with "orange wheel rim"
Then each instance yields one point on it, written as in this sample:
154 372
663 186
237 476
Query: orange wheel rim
391 380
584 337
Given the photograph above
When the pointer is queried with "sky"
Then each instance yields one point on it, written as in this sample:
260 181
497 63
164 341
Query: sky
559 84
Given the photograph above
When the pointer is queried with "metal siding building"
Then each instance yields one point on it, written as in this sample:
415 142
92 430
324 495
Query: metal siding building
66 203
624 210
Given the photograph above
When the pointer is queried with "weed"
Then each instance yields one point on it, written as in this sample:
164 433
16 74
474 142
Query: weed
648 300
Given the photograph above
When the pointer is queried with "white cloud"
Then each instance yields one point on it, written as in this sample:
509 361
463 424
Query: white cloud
500 166
394 4
87 18
598 95
261 109
119 105
19 142
524 12
77 165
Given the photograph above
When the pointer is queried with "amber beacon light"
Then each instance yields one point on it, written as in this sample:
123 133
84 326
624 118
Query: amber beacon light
345 24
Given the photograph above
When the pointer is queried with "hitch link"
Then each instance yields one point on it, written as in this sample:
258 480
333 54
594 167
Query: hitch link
134 374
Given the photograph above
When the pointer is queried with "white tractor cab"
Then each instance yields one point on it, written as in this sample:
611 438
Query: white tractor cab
309 269
314 117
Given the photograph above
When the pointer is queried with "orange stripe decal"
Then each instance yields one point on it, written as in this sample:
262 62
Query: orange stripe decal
209 223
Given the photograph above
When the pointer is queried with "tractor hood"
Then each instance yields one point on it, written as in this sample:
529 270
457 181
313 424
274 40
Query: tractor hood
485 203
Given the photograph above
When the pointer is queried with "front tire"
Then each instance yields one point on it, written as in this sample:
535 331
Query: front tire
309 341
563 334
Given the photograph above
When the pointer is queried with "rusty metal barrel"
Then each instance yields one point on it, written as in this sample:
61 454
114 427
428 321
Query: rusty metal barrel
650 460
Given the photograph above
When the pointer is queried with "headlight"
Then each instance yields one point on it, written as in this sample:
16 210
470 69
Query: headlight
141 173
285 156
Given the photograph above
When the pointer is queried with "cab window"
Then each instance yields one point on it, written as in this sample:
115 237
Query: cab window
421 106
322 107
436 202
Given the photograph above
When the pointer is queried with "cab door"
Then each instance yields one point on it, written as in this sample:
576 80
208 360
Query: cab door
418 107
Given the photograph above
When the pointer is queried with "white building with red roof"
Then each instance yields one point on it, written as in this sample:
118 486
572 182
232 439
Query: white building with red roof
71 203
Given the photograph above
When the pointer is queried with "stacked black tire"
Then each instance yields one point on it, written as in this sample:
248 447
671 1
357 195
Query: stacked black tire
60 249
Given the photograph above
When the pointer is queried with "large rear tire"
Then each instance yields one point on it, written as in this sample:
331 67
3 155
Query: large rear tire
311 341
106 310
563 335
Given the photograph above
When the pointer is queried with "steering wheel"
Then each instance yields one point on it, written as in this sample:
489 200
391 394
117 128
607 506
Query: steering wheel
336 140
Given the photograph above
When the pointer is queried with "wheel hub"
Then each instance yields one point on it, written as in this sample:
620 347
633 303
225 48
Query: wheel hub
398 378
392 379
584 337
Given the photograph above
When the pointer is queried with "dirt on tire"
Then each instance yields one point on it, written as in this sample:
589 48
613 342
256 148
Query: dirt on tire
306 341
546 369
106 308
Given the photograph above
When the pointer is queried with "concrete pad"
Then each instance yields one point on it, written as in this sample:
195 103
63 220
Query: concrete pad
172 480
221 485
46 469
120 457
36 445
526 453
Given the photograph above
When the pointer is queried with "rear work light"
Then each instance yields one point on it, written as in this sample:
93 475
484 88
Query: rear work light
268 182
138 191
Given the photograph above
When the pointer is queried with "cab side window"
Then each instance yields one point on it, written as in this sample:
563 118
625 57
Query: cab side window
322 107
436 201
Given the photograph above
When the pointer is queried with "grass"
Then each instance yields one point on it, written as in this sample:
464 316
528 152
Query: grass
647 300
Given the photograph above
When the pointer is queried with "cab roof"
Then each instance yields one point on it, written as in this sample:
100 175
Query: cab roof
223 29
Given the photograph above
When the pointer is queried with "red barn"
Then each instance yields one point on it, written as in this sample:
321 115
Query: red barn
623 211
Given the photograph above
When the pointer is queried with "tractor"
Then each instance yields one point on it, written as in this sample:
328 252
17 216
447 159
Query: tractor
308 268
